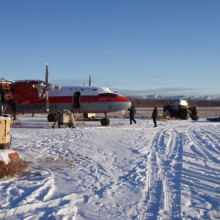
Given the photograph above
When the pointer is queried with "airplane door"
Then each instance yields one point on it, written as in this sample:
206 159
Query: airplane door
76 100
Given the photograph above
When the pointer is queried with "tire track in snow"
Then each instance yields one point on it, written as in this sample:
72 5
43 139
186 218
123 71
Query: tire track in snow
35 202
49 148
202 179
57 146
162 192
42 191
54 154
200 146
203 144
37 199
60 150
213 139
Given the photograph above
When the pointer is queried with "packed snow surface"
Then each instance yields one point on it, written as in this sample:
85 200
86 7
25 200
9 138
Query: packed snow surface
121 171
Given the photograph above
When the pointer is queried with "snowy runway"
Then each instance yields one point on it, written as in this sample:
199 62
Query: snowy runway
118 172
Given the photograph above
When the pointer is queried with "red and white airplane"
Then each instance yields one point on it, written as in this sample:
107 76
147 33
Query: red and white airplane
37 96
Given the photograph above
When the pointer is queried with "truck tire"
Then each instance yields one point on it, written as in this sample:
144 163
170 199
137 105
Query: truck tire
184 115
194 117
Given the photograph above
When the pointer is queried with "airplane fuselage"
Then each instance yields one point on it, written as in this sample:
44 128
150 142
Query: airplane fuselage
80 99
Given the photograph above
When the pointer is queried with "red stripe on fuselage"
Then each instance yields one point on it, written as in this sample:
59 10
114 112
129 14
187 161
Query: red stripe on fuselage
84 99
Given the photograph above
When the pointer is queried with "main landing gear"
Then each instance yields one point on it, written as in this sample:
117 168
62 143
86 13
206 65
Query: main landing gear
105 121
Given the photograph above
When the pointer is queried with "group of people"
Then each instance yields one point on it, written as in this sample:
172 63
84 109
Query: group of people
71 121
132 111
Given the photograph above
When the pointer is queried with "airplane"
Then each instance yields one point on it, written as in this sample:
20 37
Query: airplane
37 96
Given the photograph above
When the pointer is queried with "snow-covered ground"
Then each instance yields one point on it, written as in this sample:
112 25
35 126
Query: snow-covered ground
117 172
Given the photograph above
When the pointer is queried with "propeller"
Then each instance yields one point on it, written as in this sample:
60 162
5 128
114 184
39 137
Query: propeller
46 87
90 80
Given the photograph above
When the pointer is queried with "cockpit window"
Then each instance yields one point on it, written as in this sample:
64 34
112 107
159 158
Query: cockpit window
108 94
104 90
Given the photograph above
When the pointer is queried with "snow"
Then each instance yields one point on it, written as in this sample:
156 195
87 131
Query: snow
117 172
2 118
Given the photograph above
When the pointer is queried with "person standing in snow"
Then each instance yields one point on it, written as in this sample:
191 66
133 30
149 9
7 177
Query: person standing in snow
132 111
14 107
85 117
154 116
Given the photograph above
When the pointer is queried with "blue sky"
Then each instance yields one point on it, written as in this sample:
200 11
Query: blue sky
136 47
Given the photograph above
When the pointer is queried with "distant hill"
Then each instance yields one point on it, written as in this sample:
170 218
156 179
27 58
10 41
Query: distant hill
196 97
160 101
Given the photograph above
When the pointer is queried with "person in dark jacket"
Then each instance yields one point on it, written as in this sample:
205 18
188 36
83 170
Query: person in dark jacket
14 107
132 111
154 116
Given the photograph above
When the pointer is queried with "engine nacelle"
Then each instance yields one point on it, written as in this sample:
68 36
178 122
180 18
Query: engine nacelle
23 91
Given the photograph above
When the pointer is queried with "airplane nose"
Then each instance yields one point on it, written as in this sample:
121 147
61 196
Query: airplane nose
123 103
121 98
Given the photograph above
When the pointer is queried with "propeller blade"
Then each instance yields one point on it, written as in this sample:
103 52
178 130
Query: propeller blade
45 87
47 74
90 80
47 102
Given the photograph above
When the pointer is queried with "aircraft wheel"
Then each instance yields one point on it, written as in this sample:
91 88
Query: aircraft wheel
105 121
51 117
108 121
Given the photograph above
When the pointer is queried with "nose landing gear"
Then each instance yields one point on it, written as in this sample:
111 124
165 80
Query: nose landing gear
105 121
